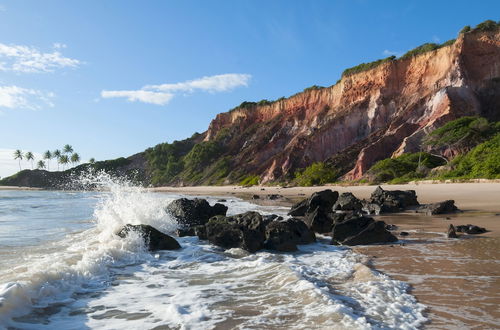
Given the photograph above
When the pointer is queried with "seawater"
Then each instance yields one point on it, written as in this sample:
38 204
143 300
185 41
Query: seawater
63 267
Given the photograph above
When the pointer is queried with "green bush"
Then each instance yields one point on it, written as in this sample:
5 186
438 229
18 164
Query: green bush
487 25
483 161
463 133
316 174
366 66
201 154
313 88
465 29
250 180
404 168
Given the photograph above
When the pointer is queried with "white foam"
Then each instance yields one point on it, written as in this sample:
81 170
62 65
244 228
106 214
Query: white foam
95 279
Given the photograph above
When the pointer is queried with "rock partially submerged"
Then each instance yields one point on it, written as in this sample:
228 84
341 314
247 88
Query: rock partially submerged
361 231
444 207
348 202
155 239
470 229
451 232
194 212
323 200
252 232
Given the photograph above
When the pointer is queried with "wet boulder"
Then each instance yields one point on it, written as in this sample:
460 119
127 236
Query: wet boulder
444 207
361 231
322 199
348 202
393 200
370 208
245 231
470 229
284 235
194 212
451 233
155 239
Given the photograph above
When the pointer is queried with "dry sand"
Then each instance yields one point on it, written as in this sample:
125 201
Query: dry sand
458 279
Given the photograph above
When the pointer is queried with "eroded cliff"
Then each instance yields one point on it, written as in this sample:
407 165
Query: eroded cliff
366 116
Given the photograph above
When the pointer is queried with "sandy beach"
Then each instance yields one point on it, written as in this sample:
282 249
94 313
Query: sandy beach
458 279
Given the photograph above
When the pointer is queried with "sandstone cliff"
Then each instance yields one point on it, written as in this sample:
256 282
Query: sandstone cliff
367 116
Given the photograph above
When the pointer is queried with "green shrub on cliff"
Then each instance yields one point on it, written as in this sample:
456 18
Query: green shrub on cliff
404 168
316 174
462 134
487 25
483 161
250 180
366 66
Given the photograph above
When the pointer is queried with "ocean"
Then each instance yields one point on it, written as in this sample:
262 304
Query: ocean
63 267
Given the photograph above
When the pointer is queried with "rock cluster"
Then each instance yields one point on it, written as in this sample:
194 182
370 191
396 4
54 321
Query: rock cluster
155 239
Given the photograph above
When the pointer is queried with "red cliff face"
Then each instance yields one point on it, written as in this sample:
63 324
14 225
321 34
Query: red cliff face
382 112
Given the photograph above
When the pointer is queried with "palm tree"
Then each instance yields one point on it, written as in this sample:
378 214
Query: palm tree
63 160
57 154
29 156
92 160
67 149
41 164
18 154
48 156
75 158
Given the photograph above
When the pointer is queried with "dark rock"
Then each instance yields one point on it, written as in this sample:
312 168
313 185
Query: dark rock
444 207
348 202
155 239
194 212
319 221
185 232
404 233
286 234
200 231
393 200
451 232
391 227
370 208
361 230
221 200
255 197
322 199
274 196
470 229
227 233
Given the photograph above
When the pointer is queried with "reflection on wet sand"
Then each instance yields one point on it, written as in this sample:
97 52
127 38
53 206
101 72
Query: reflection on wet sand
458 279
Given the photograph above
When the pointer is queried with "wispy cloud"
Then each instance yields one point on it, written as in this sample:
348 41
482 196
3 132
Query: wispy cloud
28 59
157 98
163 93
391 52
14 97
436 39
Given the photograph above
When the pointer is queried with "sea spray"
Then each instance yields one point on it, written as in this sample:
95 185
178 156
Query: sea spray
83 260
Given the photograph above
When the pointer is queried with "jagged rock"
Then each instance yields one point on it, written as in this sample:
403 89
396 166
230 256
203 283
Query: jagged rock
185 232
470 229
255 197
444 207
286 234
348 202
200 231
274 196
319 221
155 239
393 200
359 231
451 232
194 212
226 232
370 208
322 199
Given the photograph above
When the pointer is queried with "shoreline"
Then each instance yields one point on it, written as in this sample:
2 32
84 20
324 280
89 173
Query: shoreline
457 279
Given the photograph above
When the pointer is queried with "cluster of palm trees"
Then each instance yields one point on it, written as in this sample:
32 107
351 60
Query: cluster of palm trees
64 157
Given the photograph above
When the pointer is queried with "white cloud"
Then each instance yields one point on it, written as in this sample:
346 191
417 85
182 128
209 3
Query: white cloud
14 97
157 98
28 59
58 45
217 83
162 94
391 52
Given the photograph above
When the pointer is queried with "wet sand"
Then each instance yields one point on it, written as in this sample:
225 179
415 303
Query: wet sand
458 279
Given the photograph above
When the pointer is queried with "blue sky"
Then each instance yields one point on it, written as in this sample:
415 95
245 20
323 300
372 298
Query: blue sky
112 78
